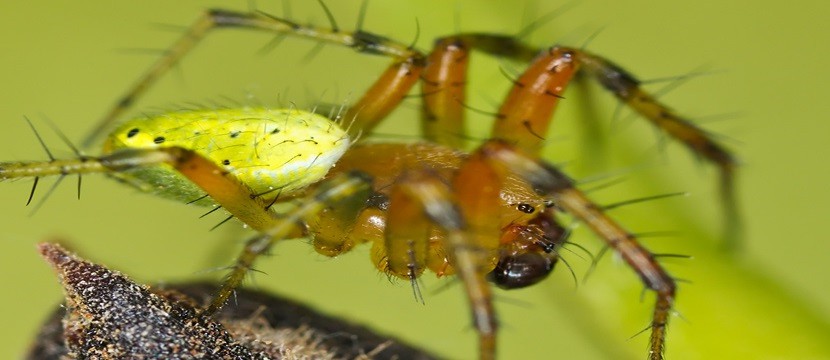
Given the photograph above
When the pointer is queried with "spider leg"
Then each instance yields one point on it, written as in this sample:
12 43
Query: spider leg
444 82
549 74
397 80
224 188
422 191
385 94
443 86
627 89
550 182
443 74
233 195
333 191
525 115
406 236
466 209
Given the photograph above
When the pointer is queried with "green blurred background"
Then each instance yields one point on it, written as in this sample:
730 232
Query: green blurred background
69 60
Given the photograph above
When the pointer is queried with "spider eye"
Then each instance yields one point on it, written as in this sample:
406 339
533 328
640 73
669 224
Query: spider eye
379 201
525 208
521 270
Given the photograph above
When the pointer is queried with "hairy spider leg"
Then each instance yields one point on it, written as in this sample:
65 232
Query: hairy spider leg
344 187
549 181
464 208
423 197
477 188
525 115
218 19
222 186
443 93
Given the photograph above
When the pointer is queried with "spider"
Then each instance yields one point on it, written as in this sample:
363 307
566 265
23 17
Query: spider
424 207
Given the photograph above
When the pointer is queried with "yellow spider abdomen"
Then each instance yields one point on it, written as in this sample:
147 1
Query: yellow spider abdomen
278 151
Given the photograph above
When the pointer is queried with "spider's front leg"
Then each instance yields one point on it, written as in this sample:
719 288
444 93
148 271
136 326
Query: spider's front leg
526 113
548 181
465 212
483 238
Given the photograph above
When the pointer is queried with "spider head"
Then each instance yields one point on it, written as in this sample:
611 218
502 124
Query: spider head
529 252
